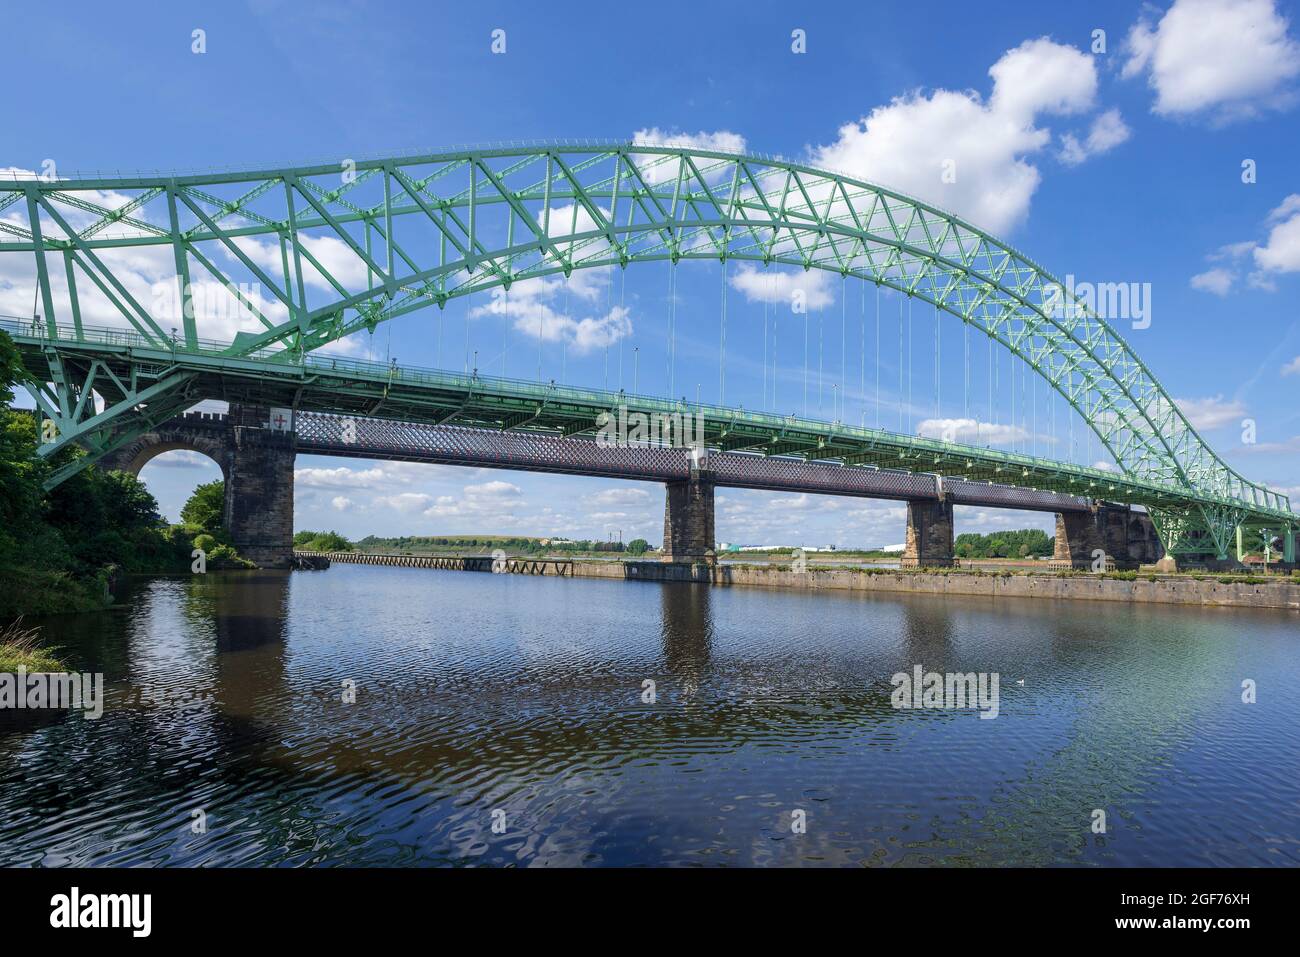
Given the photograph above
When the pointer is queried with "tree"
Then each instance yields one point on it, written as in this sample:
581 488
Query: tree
58 548
324 541
638 546
206 506
1022 543
20 471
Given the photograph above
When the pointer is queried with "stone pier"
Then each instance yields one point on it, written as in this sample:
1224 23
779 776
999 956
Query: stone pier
1126 538
259 488
688 520
256 462
929 534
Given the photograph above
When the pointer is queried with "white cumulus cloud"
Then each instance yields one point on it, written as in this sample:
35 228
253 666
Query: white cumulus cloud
1212 413
1217 280
1225 59
1108 131
985 146
781 286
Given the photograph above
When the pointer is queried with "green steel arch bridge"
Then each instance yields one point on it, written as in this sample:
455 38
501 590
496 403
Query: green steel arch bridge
403 233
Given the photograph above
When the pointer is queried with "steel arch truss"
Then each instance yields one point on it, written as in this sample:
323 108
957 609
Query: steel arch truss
310 255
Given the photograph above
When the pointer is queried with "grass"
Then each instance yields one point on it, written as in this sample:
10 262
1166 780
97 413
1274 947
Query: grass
18 647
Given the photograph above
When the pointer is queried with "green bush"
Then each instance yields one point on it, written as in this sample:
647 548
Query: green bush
321 542
205 506
223 556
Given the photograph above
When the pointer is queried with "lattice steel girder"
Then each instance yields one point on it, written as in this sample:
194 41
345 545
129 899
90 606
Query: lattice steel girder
335 434
410 231
432 396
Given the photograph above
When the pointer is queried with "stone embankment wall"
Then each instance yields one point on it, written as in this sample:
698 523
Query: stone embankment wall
1282 593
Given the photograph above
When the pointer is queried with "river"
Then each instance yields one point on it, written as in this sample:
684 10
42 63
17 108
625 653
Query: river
502 720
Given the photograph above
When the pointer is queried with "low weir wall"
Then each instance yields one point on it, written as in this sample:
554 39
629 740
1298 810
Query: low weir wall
1282 594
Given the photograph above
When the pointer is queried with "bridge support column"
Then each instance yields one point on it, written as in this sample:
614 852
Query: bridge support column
1078 539
1288 546
259 488
1127 538
688 520
929 534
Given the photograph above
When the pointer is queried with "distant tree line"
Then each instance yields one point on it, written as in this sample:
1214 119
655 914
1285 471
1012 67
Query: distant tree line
1024 543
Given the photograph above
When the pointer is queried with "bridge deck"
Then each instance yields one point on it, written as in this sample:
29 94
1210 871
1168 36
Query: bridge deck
433 397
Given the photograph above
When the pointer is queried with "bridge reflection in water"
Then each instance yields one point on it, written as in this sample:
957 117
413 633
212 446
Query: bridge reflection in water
477 693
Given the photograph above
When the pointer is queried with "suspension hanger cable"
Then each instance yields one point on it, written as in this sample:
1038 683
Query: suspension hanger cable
938 364
965 400
997 383
1014 438
775 323
622 315
862 352
821 362
843 337
672 326
911 361
805 362
763 404
722 349
900 364
1024 419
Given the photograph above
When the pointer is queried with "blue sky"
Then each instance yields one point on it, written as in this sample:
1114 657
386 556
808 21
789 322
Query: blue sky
1115 166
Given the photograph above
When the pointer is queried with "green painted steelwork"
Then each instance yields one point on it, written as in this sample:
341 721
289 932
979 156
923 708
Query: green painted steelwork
328 250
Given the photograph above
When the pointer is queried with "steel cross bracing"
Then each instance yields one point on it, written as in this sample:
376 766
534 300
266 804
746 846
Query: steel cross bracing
315 253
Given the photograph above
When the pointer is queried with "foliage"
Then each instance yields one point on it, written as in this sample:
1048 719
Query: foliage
1024 543
638 546
60 549
321 542
205 506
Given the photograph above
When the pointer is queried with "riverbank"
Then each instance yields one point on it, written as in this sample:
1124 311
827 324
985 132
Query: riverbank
1281 592
19 648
